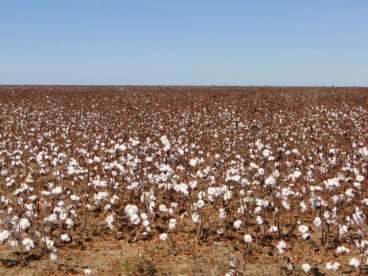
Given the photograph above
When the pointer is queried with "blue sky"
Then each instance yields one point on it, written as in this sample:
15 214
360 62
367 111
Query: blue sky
198 42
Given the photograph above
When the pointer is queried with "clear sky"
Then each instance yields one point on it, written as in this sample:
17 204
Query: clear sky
199 42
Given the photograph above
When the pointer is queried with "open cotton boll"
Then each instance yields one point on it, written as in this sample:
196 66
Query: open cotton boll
109 221
354 262
131 209
57 191
247 238
163 236
196 218
333 266
237 224
306 267
165 141
28 244
24 224
281 246
65 238
134 219
172 224
4 235
53 257
194 162
270 182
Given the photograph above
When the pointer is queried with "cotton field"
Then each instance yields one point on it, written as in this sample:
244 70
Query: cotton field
278 174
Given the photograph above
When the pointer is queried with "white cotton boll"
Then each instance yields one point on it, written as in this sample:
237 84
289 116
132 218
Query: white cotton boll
196 218
24 224
53 257
63 215
222 213
342 250
359 178
273 229
165 141
354 262
227 195
357 185
247 238
259 220
163 236
109 221
134 219
266 153
145 223
162 208
270 182
172 224
306 267
193 184
193 162
28 244
303 206
296 175
4 235
333 266
87 271
199 204
181 188
100 196
281 246
332 183
57 191
69 223
74 197
130 209
303 229
237 224
317 222
285 204
143 216
13 243
65 238
257 210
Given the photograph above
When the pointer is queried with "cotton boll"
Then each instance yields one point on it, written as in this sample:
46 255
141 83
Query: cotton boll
354 262
69 223
342 250
259 220
317 222
237 224
306 267
109 221
196 218
165 141
57 191
193 162
172 224
273 229
270 182
281 246
332 266
163 236
222 214
247 238
28 244
24 224
53 257
162 208
134 219
4 235
65 238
